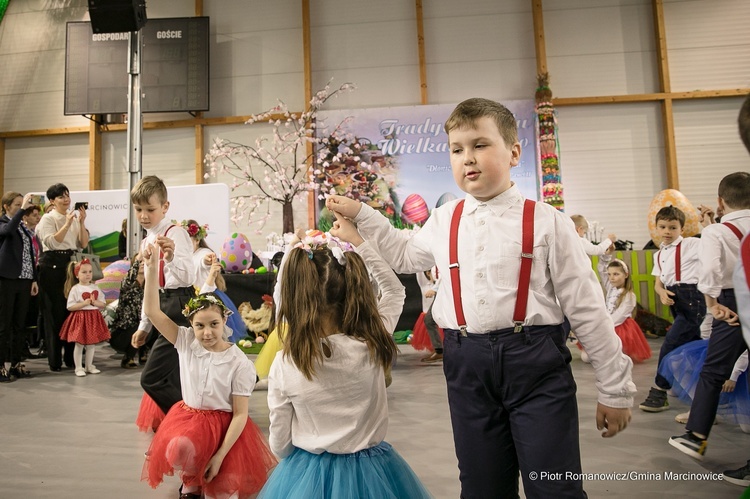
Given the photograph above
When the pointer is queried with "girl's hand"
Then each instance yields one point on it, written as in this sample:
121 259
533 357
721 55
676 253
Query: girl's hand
345 206
26 201
209 259
150 256
345 230
215 269
213 467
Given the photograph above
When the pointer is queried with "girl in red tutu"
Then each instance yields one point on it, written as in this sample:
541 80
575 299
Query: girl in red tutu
85 324
621 302
208 437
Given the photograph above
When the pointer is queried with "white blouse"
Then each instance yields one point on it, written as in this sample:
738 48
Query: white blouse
50 224
625 310
209 379
344 408
79 292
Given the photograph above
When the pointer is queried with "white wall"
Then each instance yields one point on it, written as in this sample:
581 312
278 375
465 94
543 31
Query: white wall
612 155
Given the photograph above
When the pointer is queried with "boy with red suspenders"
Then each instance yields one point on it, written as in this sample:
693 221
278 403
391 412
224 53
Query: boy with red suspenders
160 378
720 248
506 262
676 267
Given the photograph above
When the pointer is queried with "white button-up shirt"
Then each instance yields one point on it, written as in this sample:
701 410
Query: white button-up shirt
209 379
665 258
720 249
180 272
592 249
489 250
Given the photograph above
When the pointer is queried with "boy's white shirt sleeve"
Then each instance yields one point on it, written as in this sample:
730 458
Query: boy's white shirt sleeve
578 292
739 367
709 280
281 412
406 252
392 292
595 249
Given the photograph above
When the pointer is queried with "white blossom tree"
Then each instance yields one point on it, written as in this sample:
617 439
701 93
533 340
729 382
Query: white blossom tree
274 169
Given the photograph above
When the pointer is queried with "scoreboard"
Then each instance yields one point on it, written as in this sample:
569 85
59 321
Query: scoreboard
174 67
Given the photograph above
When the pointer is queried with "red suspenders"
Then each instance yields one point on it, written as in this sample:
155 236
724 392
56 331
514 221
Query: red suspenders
524 279
734 229
745 256
677 262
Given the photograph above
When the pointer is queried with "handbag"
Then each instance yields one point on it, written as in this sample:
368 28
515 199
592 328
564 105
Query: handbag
77 256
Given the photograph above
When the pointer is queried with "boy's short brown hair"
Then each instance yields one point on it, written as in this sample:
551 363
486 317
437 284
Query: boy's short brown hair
147 187
579 221
469 111
734 189
744 122
669 213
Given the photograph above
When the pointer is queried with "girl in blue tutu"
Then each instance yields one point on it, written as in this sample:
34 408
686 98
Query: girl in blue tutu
327 387
682 367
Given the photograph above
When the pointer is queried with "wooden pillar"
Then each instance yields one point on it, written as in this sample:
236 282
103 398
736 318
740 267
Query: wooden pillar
420 47
2 166
95 154
311 198
540 46
665 86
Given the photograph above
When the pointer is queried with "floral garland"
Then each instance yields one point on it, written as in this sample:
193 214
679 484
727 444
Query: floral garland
204 301
315 239
549 163
194 230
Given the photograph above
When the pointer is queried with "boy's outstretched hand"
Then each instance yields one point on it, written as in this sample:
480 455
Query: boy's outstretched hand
349 208
345 230
612 419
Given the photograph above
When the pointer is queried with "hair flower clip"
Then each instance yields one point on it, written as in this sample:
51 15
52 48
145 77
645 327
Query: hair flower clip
193 229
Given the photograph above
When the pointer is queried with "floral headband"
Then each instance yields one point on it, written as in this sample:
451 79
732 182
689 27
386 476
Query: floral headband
315 239
194 230
77 266
203 301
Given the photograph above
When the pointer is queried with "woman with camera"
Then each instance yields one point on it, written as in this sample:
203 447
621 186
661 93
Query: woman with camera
17 284
62 232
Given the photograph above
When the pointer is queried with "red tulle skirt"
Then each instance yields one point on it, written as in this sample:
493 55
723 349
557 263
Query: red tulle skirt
420 339
188 438
86 327
634 343
150 415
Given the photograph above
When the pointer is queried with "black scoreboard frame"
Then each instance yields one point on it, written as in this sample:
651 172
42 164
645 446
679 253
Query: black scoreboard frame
105 60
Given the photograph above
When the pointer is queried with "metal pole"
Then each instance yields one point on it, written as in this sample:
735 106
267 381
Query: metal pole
135 136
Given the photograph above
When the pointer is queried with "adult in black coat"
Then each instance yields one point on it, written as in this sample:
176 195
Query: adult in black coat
18 282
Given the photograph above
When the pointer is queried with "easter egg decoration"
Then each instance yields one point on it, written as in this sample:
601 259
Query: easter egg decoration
236 253
673 197
448 196
414 210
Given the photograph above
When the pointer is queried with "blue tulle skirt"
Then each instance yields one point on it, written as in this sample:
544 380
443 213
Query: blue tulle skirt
378 473
235 323
682 367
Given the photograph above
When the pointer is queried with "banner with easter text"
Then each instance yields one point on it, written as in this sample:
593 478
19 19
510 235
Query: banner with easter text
403 151
207 204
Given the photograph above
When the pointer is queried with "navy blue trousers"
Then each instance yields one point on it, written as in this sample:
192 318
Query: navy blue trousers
512 401
725 346
688 312
160 378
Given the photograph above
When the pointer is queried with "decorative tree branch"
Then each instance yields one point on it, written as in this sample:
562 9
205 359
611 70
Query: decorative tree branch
274 169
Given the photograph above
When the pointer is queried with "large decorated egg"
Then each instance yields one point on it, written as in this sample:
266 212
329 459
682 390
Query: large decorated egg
110 284
236 253
448 196
414 209
673 197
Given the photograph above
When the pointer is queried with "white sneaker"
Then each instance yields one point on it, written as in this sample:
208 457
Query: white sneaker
585 357
80 373
683 417
92 369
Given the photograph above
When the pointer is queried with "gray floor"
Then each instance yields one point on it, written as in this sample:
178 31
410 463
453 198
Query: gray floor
68 437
